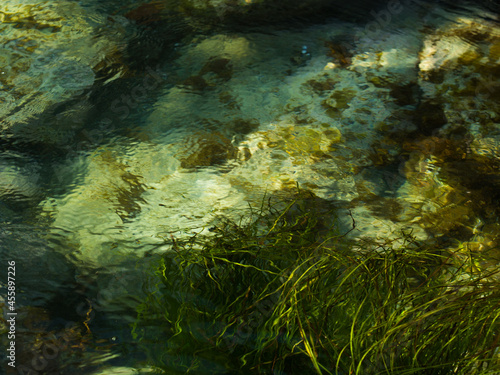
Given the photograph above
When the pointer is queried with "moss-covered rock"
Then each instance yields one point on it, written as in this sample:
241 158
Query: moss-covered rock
206 150
449 187
459 71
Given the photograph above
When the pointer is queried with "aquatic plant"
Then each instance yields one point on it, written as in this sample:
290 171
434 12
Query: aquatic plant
282 291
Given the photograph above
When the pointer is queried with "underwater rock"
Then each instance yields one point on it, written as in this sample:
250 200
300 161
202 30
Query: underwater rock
221 78
478 178
50 54
452 171
284 155
206 150
130 200
239 119
449 187
453 174
372 231
459 72
310 126
215 71
109 196
49 344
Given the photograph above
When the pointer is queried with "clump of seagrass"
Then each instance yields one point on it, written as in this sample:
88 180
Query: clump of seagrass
281 291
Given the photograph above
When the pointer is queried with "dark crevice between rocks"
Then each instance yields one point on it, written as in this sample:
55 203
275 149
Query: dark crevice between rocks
479 178
430 117
157 31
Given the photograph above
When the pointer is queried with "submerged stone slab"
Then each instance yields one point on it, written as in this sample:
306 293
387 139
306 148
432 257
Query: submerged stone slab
244 117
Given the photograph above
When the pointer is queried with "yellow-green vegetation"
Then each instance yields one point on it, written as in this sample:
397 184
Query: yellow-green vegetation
283 291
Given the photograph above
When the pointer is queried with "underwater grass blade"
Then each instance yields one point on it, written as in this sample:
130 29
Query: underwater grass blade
279 291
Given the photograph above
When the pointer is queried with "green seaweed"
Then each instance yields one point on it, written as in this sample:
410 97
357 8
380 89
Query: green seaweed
283 291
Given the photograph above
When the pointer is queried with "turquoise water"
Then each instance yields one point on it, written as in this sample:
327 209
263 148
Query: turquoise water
126 124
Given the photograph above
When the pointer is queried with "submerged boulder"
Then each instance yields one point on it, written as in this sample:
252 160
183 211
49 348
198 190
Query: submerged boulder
452 168
242 115
459 71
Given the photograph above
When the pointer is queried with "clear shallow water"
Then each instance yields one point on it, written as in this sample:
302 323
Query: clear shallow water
155 120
